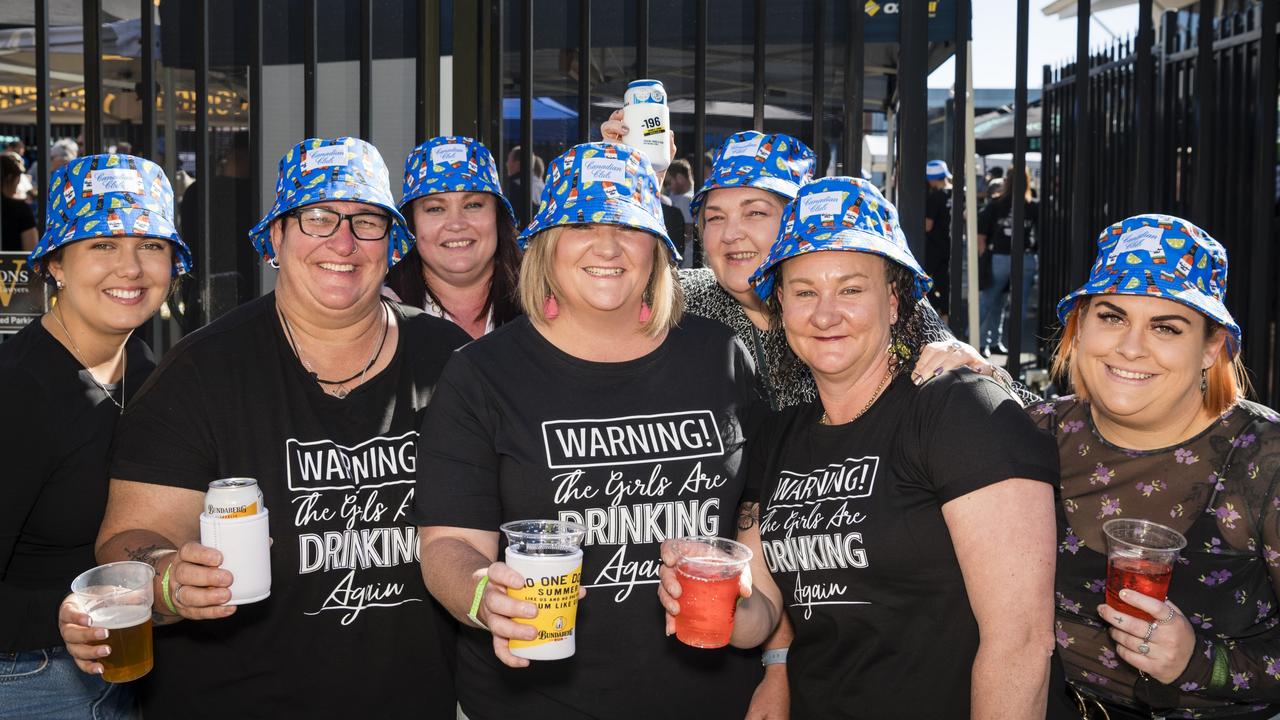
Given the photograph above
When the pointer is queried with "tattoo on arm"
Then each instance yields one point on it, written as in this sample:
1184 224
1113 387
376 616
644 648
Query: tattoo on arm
148 554
748 515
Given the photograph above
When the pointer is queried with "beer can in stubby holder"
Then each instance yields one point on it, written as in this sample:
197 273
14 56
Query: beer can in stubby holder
648 121
233 497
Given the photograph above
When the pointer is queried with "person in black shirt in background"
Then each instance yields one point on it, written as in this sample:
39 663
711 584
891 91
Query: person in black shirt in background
907 531
995 235
64 380
17 223
602 347
937 234
316 390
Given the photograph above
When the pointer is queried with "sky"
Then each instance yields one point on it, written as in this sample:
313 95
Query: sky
1051 41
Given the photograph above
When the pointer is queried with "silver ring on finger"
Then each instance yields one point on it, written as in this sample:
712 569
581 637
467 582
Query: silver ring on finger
1151 629
955 346
1143 649
177 594
1169 617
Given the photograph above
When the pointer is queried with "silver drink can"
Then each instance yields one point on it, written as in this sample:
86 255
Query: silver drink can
233 497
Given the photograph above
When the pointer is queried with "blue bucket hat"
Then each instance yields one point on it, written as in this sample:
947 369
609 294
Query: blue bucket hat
1161 256
323 169
105 195
776 162
936 170
601 182
839 213
451 163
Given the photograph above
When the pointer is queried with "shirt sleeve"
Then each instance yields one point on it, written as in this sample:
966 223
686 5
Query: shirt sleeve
968 433
164 436
25 444
457 473
1252 665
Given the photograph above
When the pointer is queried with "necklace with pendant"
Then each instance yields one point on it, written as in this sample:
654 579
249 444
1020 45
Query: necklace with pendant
75 349
340 391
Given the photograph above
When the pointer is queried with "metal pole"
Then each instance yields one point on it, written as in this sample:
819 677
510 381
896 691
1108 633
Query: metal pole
204 164
310 90
256 171
494 114
1144 117
427 110
970 203
699 91
92 78
147 82
757 81
1017 246
854 64
1262 264
366 70
526 110
642 38
959 160
819 84
584 70
912 94
1081 170
1205 99
42 108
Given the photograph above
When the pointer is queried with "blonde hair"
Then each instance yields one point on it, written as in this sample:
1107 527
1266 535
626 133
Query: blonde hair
537 283
1226 378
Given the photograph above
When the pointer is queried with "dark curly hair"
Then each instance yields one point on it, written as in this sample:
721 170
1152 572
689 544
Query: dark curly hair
908 335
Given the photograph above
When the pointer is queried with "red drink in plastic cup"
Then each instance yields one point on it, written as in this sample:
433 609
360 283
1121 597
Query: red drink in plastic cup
1140 556
708 570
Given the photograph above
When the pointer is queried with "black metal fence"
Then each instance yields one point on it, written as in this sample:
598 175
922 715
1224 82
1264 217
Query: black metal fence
1183 124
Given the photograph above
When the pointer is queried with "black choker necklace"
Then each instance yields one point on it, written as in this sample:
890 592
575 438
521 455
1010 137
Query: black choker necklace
372 359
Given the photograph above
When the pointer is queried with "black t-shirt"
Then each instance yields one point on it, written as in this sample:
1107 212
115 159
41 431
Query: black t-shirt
56 442
995 220
349 629
639 451
15 218
853 533
937 207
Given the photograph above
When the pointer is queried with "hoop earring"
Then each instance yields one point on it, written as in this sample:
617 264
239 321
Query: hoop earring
273 262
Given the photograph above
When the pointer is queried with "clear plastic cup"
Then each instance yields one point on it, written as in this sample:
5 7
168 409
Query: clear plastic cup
708 569
548 554
118 597
1140 557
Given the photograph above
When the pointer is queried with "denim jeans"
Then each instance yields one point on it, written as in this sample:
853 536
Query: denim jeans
47 685
991 306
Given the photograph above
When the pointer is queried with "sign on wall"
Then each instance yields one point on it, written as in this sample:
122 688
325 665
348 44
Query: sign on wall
22 292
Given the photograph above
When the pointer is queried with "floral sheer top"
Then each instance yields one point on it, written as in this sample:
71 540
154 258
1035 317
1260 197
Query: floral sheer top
1219 490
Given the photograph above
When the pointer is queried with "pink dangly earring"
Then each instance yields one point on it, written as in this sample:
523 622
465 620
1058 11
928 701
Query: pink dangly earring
645 312
550 309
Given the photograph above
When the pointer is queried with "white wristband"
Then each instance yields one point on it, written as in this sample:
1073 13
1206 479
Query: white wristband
776 656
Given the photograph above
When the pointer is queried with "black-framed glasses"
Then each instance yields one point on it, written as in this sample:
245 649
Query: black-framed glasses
321 222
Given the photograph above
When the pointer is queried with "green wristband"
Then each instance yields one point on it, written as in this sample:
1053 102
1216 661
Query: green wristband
164 589
475 602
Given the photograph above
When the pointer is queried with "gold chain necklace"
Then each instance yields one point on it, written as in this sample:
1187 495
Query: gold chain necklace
80 359
874 396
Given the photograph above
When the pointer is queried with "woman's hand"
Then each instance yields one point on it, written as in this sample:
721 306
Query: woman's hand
81 637
198 587
939 357
1161 648
497 609
669 589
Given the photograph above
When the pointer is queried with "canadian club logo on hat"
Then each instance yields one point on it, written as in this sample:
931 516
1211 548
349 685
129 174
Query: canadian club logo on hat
603 170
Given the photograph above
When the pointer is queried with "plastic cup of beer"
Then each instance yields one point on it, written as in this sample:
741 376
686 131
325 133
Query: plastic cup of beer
118 597
708 569
1140 557
548 554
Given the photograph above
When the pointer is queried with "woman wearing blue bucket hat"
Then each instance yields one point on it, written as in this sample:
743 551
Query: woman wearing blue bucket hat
112 254
603 353
317 391
1158 429
464 264
875 504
